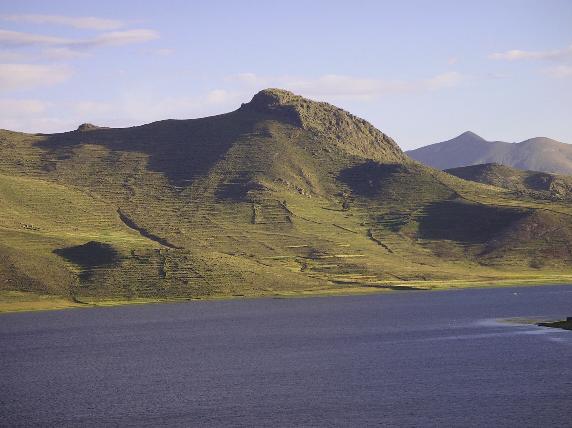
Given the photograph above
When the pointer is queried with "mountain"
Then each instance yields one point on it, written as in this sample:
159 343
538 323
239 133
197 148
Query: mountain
536 154
540 185
283 195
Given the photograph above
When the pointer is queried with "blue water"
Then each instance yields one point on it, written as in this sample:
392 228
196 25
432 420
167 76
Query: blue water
403 359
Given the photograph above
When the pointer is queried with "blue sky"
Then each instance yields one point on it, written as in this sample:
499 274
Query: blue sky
421 71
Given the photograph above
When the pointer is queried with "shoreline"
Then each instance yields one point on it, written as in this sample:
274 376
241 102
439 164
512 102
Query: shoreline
21 301
562 324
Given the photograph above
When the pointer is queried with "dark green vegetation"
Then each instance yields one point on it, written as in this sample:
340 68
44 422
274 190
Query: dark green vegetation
536 154
539 185
283 195
564 324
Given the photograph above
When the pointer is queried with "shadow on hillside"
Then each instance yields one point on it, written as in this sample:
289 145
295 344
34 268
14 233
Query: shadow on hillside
367 179
539 181
465 222
180 149
90 255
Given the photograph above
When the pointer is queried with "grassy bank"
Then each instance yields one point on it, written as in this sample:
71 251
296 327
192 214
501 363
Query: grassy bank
564 324
18 301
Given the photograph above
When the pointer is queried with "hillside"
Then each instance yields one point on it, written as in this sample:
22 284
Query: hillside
284 195
535 154
540 185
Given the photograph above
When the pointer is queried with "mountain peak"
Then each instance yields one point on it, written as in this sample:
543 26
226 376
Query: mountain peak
535 154
278 102
274 96
331 123
87 127
470 134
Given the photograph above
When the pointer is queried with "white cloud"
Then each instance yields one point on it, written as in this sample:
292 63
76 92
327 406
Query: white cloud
81 22
50 53
444 80
139 106
161 51
12 56
34 124
19 114
559 72
112 38
16 107
62 54
17 38
347 87
118 38
219 96
92 108
26 76
247 78
515 55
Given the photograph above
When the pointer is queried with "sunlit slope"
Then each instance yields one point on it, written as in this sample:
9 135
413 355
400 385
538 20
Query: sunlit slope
282 195
38 217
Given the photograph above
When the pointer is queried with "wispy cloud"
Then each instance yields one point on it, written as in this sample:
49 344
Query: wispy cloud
81 22
136 105
559 72
12 56
18 114
118 38
15 107
62 53
161 51
516 54
16 39
92 108
27 76
342 86
112 38
141 107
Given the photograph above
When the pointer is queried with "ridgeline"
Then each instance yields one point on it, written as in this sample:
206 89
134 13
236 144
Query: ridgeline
282 196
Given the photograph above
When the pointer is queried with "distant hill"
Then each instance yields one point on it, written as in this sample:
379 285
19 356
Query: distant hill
283 195
536 184
536 154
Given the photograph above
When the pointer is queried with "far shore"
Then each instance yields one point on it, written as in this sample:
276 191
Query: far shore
21 301
563 324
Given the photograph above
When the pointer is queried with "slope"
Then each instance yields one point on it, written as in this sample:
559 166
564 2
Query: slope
536 184
284 195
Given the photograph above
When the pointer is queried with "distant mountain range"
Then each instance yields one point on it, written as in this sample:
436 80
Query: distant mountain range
536 154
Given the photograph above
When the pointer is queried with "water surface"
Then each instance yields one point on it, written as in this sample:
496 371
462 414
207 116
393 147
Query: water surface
402 359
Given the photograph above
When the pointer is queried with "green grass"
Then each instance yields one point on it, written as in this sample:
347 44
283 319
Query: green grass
281 197
18 301
531 184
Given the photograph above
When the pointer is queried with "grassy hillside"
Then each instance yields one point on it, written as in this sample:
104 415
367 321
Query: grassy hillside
534 184
537 154
282 196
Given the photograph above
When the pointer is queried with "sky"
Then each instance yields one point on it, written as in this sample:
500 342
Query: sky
420 71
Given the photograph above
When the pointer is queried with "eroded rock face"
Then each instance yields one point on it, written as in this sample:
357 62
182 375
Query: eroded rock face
278 103
87 127
559 189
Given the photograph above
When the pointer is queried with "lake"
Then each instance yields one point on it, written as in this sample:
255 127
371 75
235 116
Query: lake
413 358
